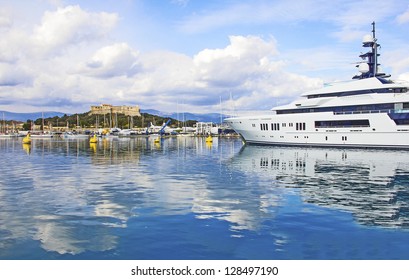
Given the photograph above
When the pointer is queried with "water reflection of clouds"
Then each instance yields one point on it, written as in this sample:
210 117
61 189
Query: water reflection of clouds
71 196
64 238
54 198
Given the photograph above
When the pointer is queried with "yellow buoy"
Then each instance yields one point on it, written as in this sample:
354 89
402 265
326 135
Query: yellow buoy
27 139
93 139
27 148
93 147
209 139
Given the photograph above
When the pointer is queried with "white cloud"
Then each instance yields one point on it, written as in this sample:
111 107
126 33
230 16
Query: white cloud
182 3
114 60
37 63
5 19
66 74
244 58
397 60
13 45
12 75
248 67
69 59
71 25
403 18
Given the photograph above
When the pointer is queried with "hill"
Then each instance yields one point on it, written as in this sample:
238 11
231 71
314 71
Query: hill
85 120
149 115
22 117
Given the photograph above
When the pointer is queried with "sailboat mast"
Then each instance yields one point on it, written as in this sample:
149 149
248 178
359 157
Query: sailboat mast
42 121
221 111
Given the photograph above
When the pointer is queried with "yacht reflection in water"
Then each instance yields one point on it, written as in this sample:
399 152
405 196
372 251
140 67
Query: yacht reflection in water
370 184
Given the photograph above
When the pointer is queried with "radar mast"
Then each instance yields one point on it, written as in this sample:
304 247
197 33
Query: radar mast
369 67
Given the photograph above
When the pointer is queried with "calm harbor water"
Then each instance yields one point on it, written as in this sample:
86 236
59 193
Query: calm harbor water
186 199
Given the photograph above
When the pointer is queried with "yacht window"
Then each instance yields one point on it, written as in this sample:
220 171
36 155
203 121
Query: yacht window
384 81
342 123
358 92
263 126
300 126
341 93
275 126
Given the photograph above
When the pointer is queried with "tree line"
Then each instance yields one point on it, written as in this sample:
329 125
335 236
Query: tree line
85 120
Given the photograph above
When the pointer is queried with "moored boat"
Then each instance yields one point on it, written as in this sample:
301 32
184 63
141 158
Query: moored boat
72 135
372 110
41 135
8 135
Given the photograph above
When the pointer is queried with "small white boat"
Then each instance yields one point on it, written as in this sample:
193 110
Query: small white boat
42 136
126 133
8 136
72 135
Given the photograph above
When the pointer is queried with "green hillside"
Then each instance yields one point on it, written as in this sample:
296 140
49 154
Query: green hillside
89 121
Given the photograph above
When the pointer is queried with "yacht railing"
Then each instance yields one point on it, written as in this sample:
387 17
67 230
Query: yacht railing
370 112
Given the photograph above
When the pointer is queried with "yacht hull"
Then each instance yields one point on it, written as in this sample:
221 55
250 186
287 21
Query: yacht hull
374 131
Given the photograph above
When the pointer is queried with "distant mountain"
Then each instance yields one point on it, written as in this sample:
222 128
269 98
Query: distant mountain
10 116
211 117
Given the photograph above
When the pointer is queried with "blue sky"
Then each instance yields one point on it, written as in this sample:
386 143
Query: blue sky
187 55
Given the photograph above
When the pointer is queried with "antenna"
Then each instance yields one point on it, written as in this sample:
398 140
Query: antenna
370 58
375 51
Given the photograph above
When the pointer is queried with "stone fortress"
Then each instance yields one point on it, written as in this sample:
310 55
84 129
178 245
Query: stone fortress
105 109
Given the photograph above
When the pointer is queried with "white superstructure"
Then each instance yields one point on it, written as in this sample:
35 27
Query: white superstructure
369 111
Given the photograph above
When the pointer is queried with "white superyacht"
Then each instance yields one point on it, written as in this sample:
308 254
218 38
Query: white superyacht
369 111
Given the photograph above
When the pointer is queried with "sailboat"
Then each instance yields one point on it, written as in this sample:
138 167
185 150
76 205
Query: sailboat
4 132
42 134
